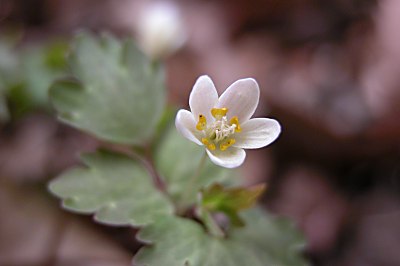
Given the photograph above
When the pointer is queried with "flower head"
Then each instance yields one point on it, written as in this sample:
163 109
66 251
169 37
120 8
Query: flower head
223 124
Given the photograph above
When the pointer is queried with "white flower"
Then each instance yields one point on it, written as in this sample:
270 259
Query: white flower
223 125
160 29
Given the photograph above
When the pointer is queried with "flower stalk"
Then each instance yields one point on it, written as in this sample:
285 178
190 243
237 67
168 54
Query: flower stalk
191 185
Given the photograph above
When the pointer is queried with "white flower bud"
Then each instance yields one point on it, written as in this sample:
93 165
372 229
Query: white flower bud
160 29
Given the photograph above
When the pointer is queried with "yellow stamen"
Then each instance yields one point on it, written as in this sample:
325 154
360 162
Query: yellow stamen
201 125
235 121
218 113
225 145
210 146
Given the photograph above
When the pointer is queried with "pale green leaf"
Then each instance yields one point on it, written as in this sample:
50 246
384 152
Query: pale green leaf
39 67
27 73
264 241
8 65
121 93
178 160
116 188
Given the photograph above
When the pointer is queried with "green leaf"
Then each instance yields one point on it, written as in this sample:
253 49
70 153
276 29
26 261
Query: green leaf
265 241
29 76
178 159
114 187
230 200
40 66
118 94
8 65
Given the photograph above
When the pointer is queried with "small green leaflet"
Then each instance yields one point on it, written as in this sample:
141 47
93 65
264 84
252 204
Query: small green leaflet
230 201
264 241
115 92
114 187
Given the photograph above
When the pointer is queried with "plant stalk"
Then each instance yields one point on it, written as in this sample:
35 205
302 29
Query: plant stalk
190 187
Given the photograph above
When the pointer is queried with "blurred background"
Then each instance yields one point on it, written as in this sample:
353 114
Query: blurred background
329 71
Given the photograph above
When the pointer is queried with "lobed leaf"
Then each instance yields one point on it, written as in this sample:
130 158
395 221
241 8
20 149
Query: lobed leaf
39 66
26 74
114 187
265 241
9 61
117 94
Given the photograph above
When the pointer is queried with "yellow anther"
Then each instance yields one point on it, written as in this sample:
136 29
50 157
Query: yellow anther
225 145
208 144
201 125
219 112
235 121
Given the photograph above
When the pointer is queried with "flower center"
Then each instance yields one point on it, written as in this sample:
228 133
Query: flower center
220 132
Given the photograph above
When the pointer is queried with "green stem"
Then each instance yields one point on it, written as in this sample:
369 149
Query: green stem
189 189
157 179
211 225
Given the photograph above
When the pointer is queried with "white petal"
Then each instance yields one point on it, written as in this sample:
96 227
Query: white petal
257 133
186 125
241 99
203 97
230 158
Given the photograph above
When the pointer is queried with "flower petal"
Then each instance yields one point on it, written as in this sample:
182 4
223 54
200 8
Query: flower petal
186 125
203 97
230 158
241 99
257 133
